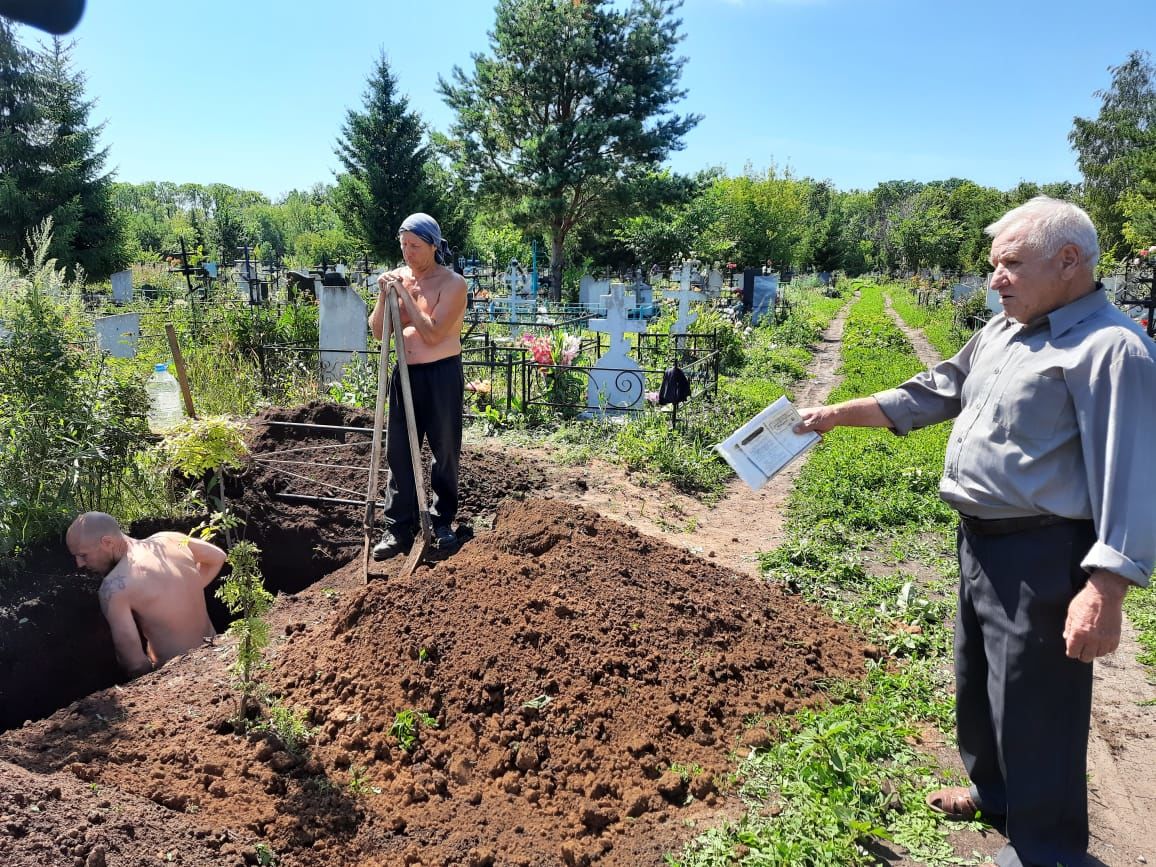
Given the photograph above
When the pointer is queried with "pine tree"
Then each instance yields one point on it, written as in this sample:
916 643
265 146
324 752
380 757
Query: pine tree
384 156
22 154
78 197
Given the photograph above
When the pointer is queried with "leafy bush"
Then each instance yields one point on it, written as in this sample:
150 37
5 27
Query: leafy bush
71 420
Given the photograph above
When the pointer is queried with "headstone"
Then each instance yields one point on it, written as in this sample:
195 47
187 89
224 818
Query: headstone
714 282
118 335
122 287
643 299
341 328
591 291
617 383
517 280
684 295
961 290
766 292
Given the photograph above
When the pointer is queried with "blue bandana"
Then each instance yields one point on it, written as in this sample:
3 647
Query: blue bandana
427 228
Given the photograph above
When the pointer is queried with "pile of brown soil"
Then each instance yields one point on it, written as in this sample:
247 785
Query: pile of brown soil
587 686
55 645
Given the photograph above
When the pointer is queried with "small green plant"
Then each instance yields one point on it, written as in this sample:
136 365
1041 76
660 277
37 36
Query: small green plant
359 784
406 724
358 384
244 594
208 446
266 857
289 725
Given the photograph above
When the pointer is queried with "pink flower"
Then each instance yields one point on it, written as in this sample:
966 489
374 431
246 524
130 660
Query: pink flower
652 397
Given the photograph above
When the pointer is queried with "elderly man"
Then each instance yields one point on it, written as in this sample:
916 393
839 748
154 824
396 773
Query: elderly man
153 590
1054 417
432 303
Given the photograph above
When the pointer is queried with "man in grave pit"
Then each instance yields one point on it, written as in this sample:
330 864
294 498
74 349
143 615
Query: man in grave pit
153 593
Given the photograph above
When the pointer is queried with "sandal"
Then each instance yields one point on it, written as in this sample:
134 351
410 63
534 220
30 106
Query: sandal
954 802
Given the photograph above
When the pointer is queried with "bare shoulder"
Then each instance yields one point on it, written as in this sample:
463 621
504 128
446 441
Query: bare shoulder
115 583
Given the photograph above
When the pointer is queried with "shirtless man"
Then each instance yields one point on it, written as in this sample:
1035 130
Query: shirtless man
432 303
153 590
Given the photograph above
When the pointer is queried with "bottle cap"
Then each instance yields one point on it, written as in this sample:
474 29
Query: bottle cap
161 368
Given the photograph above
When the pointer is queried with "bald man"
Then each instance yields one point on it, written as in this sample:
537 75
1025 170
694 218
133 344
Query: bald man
153 590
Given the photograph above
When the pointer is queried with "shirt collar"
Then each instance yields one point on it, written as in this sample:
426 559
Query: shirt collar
1067 317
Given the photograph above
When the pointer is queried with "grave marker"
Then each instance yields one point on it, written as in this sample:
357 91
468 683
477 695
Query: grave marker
616 380
117 335
342 330
685 294
122 287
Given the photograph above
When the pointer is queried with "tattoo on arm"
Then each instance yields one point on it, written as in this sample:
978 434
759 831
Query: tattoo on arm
110 587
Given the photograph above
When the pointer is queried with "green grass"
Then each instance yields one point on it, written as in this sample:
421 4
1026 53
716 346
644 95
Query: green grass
840 777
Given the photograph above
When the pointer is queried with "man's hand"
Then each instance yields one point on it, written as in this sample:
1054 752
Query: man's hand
1095 616
860 412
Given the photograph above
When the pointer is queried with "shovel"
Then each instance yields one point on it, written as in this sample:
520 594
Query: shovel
420 544
375 448
392 322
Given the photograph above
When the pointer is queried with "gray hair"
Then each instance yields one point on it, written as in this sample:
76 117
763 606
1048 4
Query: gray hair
1050 224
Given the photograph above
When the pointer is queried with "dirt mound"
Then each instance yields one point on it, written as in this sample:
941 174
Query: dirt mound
54 643
584 686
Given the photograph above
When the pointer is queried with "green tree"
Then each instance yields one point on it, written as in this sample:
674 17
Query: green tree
384 155
571 106
22 151
1113 149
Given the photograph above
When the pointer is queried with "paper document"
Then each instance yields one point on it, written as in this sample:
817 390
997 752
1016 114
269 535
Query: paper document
766 444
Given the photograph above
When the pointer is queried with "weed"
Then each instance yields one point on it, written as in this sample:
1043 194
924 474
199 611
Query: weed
266 857
406 725
288 725
359 783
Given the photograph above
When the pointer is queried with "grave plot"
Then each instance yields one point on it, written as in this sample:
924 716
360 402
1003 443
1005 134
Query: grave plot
574 693
54 644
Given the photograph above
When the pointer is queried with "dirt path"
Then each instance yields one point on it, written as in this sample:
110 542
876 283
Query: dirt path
736 527
1121 749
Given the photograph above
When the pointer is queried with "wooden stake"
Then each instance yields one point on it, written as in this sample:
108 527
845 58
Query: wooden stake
182 376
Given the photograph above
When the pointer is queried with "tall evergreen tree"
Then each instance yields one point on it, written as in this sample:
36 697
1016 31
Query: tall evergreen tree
78 197
23 151
573 105
384 156
1113 149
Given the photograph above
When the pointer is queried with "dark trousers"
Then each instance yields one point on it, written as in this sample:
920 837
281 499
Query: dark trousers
1023 708
438 389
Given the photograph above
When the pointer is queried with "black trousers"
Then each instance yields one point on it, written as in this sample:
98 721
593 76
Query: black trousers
438 389
1023 708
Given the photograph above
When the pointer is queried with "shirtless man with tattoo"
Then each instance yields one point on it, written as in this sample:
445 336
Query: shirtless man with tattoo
153 590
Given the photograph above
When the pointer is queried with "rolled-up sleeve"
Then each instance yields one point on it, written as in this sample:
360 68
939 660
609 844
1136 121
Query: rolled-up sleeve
929 397
1116 412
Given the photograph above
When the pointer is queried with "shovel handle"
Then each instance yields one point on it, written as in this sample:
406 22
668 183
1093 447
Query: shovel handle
410 423
375 447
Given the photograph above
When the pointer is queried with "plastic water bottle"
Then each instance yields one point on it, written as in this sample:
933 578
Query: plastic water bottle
165 406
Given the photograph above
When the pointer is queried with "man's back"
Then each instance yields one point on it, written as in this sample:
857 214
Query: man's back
160 583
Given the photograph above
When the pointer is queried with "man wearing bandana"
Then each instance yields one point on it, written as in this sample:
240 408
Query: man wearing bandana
432 301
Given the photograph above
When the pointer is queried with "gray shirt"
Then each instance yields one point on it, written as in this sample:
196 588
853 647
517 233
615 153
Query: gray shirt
1054 417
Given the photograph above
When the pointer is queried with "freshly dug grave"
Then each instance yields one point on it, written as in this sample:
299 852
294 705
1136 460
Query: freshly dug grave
54 644
589 686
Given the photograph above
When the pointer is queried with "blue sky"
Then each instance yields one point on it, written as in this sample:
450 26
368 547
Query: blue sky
253 93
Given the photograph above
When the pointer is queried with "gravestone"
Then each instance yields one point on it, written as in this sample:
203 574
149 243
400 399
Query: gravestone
616 380
714 282
644 299
342 330
684 295
591 291
764 295
961 290
994 305
118 335
121 287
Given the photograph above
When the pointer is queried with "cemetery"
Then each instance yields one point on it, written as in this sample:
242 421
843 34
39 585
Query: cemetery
676 622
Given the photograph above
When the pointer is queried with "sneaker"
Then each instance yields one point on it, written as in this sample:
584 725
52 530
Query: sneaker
393 542
444 539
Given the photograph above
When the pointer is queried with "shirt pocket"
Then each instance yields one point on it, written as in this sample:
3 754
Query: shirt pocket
1033 406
